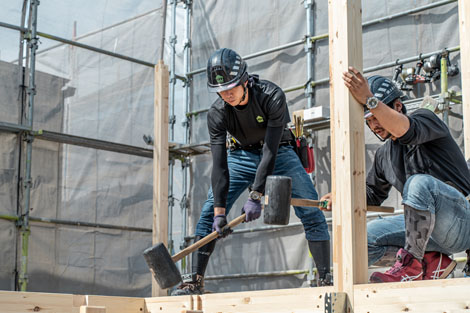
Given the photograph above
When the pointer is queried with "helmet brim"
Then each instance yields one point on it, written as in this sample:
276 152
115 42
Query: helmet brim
220 88
367 114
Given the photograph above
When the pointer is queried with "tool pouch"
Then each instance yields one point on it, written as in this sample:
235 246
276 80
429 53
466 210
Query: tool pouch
305 153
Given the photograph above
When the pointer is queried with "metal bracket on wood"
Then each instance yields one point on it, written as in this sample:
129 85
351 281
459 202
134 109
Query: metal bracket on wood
337 302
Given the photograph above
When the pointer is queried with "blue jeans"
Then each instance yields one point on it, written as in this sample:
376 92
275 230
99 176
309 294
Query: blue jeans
242 165
451 232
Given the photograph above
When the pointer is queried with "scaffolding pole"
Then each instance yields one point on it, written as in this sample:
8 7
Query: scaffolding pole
308 4
32 39
172 119
187 134
76 223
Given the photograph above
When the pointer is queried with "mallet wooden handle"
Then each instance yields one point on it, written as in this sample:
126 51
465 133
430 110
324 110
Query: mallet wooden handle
318 203
206 239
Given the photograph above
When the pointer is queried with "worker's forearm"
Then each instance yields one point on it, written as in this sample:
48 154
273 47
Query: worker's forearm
219 210
391 120
266 166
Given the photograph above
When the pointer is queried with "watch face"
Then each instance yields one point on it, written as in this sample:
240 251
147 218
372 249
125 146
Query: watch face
255 195
372 102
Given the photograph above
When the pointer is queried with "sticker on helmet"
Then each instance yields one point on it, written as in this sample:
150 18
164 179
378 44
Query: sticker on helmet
219 79
260 119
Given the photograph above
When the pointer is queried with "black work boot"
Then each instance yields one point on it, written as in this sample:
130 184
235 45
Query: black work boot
327 280
193 283
320 251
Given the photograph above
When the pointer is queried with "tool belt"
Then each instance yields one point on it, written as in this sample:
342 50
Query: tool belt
235 145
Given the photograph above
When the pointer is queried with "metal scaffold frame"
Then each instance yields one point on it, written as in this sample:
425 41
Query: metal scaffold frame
182 151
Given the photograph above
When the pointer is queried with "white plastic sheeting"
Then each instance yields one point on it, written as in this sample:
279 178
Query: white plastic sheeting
86 94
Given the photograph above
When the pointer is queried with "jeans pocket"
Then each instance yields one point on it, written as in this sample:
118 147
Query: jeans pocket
457 237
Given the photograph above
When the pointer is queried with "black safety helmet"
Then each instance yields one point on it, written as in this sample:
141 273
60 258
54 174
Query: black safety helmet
225 70
385 90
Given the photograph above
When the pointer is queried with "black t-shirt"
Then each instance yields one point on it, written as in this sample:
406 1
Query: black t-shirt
426 148
266 108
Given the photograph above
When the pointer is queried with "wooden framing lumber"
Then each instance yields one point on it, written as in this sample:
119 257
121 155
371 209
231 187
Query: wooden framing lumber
160 163
450 295
16 302
464 28
297 300
430 296
347 149
117 304
170 304
92 309
22 302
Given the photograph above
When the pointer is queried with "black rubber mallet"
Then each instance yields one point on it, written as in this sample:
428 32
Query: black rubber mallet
277 201
162 264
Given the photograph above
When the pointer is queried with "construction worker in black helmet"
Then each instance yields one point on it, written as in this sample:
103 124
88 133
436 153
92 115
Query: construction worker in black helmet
423 162
253 115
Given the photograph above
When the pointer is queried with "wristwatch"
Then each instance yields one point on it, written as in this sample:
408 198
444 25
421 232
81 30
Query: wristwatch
255 195
372 102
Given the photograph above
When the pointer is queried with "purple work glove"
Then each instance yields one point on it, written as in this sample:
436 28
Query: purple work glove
252 208
220 221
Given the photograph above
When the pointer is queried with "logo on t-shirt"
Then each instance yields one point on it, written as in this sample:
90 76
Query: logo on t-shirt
260 119
219 79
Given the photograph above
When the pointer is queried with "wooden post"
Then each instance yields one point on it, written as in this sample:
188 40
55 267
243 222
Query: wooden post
464 27
347 149
160 163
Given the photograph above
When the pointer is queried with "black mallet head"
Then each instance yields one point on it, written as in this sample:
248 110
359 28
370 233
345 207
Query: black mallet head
162 266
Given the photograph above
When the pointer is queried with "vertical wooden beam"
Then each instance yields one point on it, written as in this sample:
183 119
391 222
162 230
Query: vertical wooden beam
347 149
160 163
464 27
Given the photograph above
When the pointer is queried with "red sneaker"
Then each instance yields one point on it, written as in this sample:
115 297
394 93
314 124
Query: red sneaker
438 265
406 268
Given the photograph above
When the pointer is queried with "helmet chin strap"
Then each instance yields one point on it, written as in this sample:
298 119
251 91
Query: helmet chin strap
244 94
377 135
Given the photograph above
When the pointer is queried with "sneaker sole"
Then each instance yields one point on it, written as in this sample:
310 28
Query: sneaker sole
450 268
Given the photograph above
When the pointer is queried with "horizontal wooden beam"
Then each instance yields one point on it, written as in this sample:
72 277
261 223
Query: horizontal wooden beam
170 304
431 296
20 302
92 309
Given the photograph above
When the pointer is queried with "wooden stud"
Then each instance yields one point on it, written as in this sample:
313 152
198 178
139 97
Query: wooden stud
464 27
160 163
347 149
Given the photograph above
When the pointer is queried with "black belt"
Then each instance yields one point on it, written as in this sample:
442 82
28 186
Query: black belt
256 146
